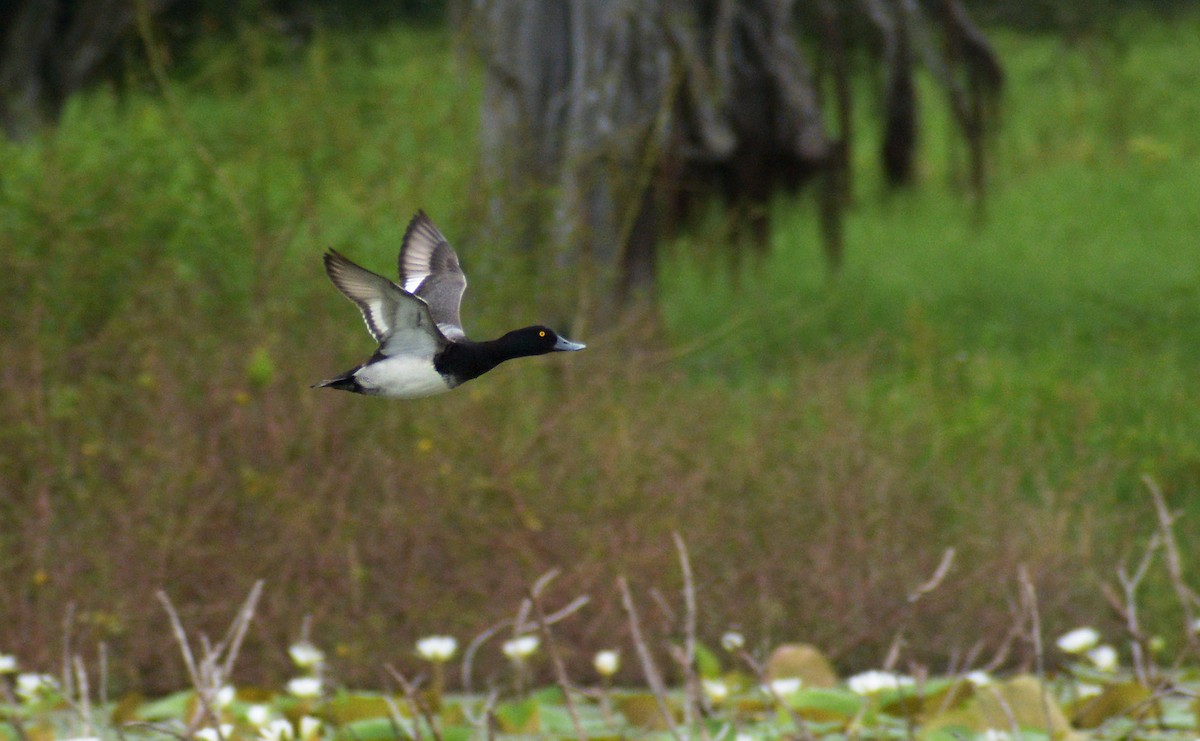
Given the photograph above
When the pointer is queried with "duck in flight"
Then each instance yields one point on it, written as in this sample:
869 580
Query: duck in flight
423 349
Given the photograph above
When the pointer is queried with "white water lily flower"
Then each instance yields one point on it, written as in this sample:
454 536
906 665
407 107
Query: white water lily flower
1104 658
1079 640
979 678
732 640
8 663
277 730
258 715
310 728
437 648
211 734
873 681
521 647
785 686
1087 689
30 685
607 662
305 655
716 690
304 687
226 695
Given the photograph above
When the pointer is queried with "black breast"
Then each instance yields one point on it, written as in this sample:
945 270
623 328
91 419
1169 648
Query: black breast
461 361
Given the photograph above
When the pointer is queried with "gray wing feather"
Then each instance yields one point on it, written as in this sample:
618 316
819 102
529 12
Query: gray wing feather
429 269
399 321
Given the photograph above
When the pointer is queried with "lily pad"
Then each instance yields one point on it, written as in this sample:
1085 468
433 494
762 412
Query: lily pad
641 709
826 705
347 708
1023 700
1128 699
803 661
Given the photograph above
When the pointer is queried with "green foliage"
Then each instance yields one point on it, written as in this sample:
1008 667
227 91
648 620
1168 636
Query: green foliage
1022 707
997 386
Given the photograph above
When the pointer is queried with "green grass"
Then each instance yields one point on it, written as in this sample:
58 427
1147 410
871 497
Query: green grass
996 385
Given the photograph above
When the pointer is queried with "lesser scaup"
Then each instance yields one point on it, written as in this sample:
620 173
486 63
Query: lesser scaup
422 347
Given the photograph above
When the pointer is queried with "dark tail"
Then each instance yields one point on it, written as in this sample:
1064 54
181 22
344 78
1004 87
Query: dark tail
345 382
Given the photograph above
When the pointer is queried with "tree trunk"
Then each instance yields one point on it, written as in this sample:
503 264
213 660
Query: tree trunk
50 49
606 122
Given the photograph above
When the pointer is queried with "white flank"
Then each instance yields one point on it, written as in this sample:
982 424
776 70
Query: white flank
402 377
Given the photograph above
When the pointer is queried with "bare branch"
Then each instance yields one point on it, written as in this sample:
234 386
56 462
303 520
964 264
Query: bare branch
1185 594
416 704
760 673
560 671
688 660
1029 595
653 678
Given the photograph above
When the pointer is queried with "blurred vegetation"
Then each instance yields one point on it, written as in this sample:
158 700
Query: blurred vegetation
999 387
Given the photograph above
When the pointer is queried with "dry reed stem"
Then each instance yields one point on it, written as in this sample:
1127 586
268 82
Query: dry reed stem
933 582
103 694
653 678
1126 606
68 625
1014 728
396 720
688 660
84 706
760 674
209 675
420 709
1029 595
477 642
560 670
1186 595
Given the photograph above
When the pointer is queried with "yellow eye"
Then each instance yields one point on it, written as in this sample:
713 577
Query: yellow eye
542 333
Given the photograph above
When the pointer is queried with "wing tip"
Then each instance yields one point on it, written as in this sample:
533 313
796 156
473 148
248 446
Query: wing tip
419 221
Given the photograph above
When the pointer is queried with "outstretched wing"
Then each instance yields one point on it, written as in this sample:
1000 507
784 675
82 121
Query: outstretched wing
429 269
399 321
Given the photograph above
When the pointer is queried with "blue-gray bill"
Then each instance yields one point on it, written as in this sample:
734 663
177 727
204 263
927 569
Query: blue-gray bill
565 345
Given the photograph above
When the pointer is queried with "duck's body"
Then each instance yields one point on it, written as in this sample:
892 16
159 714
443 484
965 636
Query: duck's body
423 349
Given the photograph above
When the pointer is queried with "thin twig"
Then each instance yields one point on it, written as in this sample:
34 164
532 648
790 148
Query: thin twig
397 722
689 635
1127 608
103 651
474 646
189 662
1014 727
210 673
84 695
484 721
653 678
232 643
560 670
934 581
760 673
476 643
419 708
68 628
1187 597
1029 593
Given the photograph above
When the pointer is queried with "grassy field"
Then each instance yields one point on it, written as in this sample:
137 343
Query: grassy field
999 386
